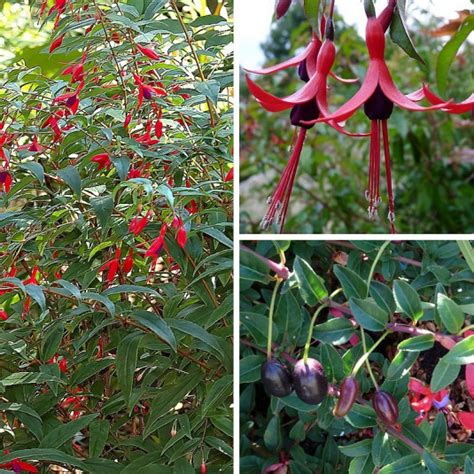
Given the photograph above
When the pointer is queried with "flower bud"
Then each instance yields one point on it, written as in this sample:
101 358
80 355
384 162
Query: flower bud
282 7
386 407
310 383
276 379
203 468
348 393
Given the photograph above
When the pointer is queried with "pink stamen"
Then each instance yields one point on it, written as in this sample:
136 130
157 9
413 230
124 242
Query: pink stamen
391 205
278 203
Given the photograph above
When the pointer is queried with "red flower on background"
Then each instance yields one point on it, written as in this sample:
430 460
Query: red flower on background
74 402
145 138
103 160
52 121
128 264
157 245
138 224
452 108
181 236
229 176
76 70
113 266
3 315
145 91
56 43
5 181
467 419
17 465
148 52
378 94
62 363
70 99
422 399
35 146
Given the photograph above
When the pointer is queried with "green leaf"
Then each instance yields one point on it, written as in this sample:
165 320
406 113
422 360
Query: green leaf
195 331
399 32
383 296
462 352
272 436
335 331
63 433
401 364
368 314
468 252
210 89
351 282
155 323
435 465
438 436
168 397
250 368
52 455
98 434
407 299
332 362
443 374
29 417
311 285
405 465
20 378
417 343
360 448
116 290
218 393
361 416
126 364
450 313
103 207
253 269
51 340
101 299
72 178
36 292
311 9
35 168
449 51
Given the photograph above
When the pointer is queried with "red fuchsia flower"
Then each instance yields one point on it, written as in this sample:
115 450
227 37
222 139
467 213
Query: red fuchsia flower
74 403
422 399
113 266
3 315
157 245
128 119
35 146
146 91
76 70
142 172
452 108
128 264
56 43
138 224
17 465
52 121
145 138
70 99
62 363
229 176
150 53
378 94
31 280
5 181
103 160
181 236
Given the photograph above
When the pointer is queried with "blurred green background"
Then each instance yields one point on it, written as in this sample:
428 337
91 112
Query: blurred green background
432 153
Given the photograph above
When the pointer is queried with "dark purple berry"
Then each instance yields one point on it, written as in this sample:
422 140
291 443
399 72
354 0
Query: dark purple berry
310 383
347 394
276 378
386 407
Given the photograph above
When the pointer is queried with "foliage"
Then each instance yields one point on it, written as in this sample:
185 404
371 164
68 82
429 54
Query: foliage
431 153
406 308
115 239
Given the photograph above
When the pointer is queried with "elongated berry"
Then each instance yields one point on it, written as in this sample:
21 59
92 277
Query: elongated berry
348 393
276 378
386 407
282 7
310 383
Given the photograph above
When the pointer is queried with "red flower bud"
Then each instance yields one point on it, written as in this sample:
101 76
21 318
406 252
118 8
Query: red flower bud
282 7
386 407
203 468
3 315
348 393
56 43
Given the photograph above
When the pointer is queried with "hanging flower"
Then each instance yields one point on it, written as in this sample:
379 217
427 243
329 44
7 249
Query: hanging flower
157 245
76 70
70 99
229 176
35 146
138 224
378 94
17 465
422 399
146 91
103 160
56 43
452 108
148 52
128 264
113 266
5 181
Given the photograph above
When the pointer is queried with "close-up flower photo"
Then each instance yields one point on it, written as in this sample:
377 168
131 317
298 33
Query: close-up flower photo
356 117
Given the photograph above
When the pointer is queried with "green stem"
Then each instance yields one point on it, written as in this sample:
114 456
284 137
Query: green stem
366 355
270 319
310 332
364 345
377 258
